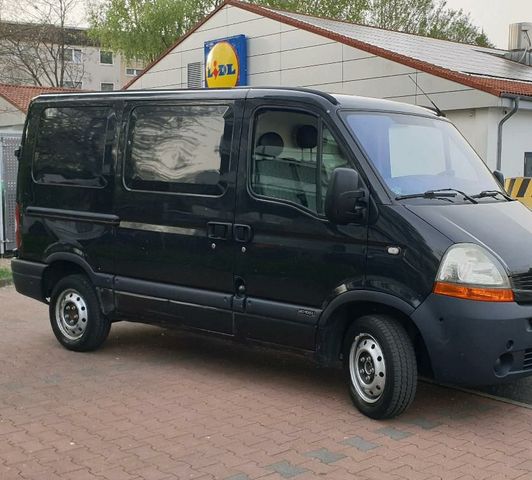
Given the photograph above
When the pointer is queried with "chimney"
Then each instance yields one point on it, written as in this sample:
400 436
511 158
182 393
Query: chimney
520 43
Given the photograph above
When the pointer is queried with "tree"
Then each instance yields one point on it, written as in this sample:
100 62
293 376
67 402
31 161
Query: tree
430 18
349 10
143 29
34 44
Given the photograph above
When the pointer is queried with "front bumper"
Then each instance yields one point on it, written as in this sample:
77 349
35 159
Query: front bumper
476 343
27 277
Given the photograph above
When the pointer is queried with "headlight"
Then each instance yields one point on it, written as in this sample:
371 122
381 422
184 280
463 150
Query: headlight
471 264
469 271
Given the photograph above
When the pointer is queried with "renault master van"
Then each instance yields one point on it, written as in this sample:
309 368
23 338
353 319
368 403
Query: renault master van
354 230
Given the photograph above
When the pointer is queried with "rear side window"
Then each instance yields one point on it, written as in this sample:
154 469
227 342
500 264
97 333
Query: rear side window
70 146
179 148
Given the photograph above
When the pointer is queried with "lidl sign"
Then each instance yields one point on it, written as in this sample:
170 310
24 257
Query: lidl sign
226 62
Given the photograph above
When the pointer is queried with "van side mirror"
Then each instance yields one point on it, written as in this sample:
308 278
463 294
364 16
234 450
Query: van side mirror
346 199
17 152
499 177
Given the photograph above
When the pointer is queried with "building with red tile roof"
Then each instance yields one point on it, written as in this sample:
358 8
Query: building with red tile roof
20 95
15 100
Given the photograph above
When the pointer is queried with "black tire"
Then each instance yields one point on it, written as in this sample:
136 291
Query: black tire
393 393
89 327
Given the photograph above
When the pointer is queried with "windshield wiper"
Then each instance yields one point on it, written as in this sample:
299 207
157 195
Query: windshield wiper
428 194
441 193
493 194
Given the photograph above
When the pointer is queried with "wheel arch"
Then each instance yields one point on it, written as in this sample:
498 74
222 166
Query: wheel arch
61 264
58 269
345 309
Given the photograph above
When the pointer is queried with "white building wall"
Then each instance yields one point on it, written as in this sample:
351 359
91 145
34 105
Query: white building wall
96 73
282 55
480 127
517 139
11 118
279 54
473 123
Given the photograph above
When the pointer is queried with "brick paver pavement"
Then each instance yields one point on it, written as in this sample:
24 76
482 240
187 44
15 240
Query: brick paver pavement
156 405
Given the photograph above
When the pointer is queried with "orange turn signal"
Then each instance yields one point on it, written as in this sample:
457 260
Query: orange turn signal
474 293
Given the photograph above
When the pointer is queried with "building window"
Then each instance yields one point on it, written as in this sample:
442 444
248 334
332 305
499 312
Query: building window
290 161
73 55
194 75
70 84
528 164
106 58
179 149
70 146
107 87
133 72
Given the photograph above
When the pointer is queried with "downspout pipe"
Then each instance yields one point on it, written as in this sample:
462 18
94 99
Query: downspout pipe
507 117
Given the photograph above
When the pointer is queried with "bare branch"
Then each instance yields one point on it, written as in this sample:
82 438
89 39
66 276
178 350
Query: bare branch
34 44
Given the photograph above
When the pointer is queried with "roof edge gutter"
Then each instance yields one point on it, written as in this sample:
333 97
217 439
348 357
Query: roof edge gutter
516 99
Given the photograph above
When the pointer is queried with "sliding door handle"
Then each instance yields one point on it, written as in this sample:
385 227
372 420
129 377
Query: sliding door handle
218 230
242 233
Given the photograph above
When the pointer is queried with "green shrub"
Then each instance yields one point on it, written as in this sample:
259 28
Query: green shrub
5 273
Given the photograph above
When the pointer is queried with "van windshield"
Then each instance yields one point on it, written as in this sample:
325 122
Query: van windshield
415 154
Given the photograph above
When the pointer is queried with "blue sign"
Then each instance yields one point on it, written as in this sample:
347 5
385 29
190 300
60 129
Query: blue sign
226 62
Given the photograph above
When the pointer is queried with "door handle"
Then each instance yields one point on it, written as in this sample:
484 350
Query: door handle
242 233
218 230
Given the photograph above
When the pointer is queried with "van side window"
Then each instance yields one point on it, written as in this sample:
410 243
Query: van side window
70 146
179 148
332 158
289 159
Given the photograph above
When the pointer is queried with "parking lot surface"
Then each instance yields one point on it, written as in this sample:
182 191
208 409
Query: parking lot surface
158 404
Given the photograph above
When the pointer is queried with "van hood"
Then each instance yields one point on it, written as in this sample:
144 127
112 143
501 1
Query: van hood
505 228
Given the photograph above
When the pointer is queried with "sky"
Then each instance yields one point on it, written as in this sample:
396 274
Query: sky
495 16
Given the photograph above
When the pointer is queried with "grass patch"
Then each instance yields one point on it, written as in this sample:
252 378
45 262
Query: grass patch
5 273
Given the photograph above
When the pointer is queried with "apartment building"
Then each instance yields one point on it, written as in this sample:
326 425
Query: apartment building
100 69
32 54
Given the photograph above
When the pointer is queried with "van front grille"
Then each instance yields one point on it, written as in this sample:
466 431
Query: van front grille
527 359
522 281
522 287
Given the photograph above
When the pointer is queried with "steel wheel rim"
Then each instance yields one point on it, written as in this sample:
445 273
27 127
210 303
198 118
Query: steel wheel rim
367 368
71 314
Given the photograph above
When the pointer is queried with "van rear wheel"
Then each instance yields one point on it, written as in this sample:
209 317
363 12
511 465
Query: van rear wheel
380 366
75 314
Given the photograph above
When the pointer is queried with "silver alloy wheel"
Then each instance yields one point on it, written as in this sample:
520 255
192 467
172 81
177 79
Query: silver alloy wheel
71 314
367 368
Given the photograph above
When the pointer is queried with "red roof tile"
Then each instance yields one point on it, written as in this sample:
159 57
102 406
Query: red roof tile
489 84
21 95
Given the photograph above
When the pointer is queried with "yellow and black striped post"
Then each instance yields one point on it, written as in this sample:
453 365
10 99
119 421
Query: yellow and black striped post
520 188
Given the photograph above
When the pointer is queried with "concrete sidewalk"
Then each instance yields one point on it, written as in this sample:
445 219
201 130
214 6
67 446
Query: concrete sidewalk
154 404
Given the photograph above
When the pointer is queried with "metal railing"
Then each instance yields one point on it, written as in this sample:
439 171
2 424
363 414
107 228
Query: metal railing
9 142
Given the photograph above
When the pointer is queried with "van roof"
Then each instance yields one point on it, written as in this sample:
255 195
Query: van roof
340 101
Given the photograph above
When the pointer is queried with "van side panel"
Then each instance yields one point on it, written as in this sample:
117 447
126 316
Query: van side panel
24 180
62 214
175 197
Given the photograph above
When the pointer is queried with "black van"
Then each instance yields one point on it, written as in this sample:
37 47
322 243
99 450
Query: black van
348 228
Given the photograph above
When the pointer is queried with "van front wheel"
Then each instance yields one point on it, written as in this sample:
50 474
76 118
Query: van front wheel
75 314
380 366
